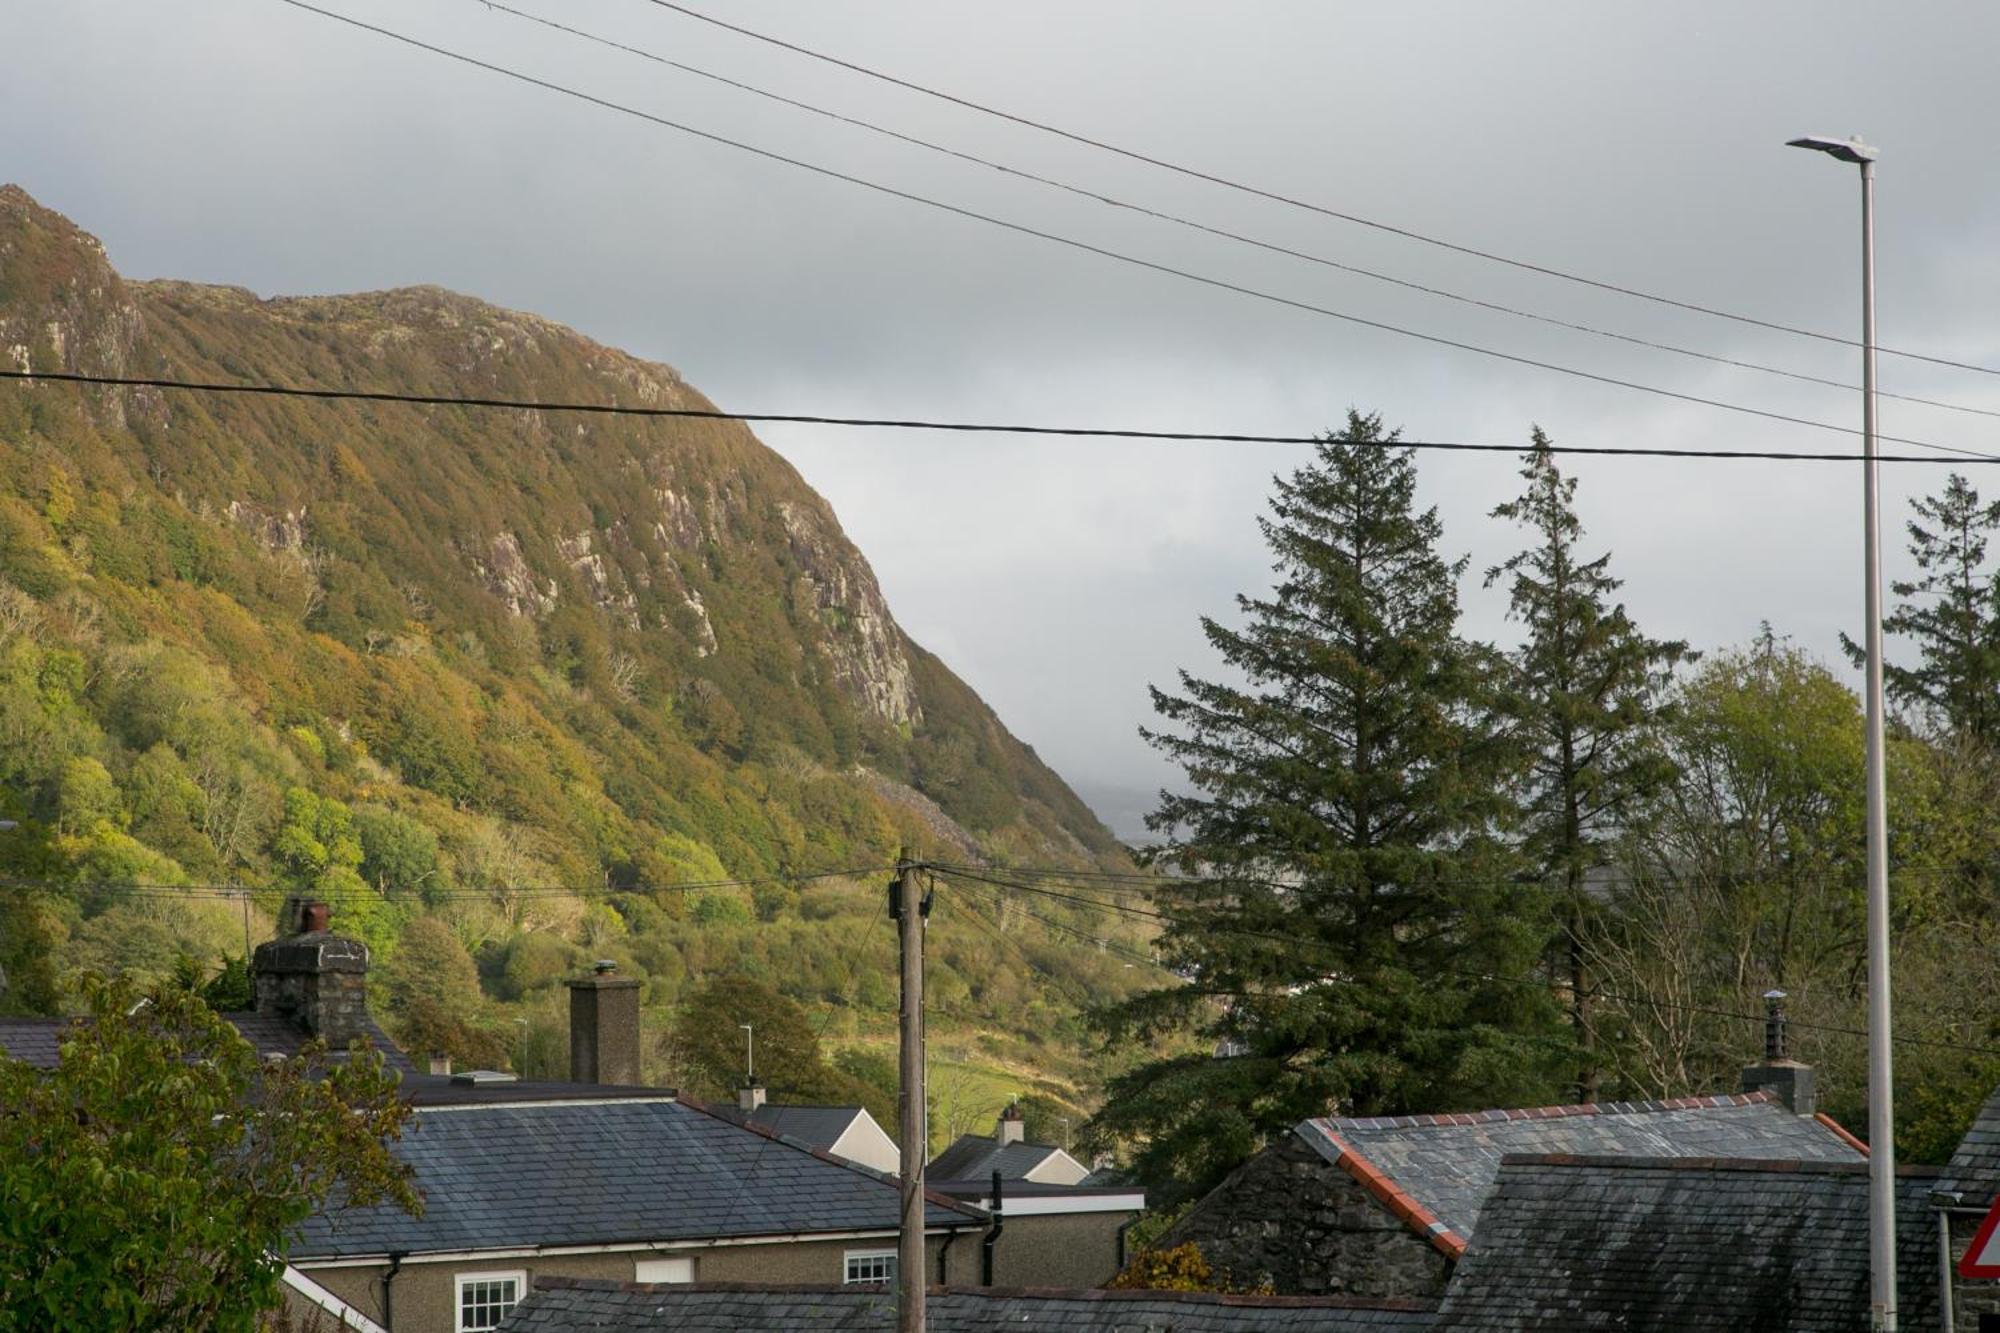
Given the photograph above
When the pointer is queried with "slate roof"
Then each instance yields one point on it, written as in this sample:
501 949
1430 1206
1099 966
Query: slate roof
574 1305
1690 1244
35 1039
1435 1171
820 1126
501 1176
977 1156
1974 1170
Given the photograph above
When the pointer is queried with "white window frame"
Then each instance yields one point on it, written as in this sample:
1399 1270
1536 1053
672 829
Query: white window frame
518 1276
661 1263
873 1258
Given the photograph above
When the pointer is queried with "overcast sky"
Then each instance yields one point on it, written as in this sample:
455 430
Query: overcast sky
244 141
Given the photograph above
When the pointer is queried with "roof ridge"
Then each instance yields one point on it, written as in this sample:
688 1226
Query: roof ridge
1447 1119
1773 1165
943 1201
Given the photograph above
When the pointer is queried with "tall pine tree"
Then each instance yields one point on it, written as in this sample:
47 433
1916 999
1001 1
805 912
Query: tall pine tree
1586 691
1352 939
1952 615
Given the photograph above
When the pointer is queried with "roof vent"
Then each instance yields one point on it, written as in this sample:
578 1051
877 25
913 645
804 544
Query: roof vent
479 1078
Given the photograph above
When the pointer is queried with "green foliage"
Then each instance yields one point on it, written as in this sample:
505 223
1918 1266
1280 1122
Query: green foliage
151 1178
230 989
1342 803
1586 692
1951 614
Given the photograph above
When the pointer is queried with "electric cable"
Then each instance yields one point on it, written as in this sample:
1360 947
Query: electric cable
979 428
1020 228
1273 196
1097 196
1293 941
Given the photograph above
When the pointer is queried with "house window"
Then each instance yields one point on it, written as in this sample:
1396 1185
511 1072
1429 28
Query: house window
664 1270
870 1266
484 1299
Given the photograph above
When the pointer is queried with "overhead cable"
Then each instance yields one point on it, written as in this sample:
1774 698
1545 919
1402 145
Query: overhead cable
954 427
1020 228
1485 978
1273 196
1097 196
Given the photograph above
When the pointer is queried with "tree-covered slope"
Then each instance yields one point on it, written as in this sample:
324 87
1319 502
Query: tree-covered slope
495 681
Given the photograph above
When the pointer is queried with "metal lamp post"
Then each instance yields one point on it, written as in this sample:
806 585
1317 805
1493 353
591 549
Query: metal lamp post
1881 1097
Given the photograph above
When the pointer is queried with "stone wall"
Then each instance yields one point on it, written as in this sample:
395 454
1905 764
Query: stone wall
1291 1219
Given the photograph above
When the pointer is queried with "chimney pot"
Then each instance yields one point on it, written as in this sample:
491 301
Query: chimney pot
315 917
604 967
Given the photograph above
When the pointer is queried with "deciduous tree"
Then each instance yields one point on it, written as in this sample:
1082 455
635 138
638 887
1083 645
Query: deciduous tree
149 1180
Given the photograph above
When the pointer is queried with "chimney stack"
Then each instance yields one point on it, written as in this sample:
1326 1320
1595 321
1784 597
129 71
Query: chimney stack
440 1064
604 1027
750 1097
1780 1075
1010 1129
312 976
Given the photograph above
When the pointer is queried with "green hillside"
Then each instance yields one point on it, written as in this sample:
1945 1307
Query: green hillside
494 682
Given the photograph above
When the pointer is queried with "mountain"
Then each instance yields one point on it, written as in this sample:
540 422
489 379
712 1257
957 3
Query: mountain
497 682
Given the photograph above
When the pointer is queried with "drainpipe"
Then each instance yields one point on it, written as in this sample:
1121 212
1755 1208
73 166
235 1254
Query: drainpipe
992 1236
1943 1201
944 1253
1124 1227
388 1279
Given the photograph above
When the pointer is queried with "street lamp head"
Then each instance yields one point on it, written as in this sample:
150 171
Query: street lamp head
1847 150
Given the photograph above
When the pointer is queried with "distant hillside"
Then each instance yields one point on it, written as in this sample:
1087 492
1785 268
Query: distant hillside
512 674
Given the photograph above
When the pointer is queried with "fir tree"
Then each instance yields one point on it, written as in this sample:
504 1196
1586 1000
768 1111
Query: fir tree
1951 614
1348 942
1586 691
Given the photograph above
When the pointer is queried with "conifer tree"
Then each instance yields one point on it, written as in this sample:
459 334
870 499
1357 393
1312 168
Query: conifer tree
1951 613
1586 691
1351 923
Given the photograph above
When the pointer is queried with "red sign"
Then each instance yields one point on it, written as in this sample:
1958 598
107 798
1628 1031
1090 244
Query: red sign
1982 1257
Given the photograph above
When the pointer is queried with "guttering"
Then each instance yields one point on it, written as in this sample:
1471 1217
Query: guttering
1043 1205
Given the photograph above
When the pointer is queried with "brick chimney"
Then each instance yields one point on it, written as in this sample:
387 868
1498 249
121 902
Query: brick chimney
1011 1129
317 979
604 1027
1780 1075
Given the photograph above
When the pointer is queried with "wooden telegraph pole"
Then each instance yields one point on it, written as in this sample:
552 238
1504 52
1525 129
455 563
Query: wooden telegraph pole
909 912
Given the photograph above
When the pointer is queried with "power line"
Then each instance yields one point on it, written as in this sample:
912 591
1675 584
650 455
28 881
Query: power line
232 892
1406 233
1155 266
965 427
1097 196
1484 978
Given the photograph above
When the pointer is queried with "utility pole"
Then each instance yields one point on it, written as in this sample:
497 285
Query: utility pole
909 913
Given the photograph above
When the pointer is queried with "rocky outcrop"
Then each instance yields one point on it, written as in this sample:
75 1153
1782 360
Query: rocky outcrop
509 577
862 639
598 578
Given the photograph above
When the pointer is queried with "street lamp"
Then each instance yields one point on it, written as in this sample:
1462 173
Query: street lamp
1881 1105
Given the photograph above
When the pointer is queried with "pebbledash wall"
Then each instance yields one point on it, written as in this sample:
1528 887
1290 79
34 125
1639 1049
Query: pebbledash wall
1285 1220
425 1291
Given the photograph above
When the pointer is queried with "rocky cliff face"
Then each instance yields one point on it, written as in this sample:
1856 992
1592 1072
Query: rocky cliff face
675 573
